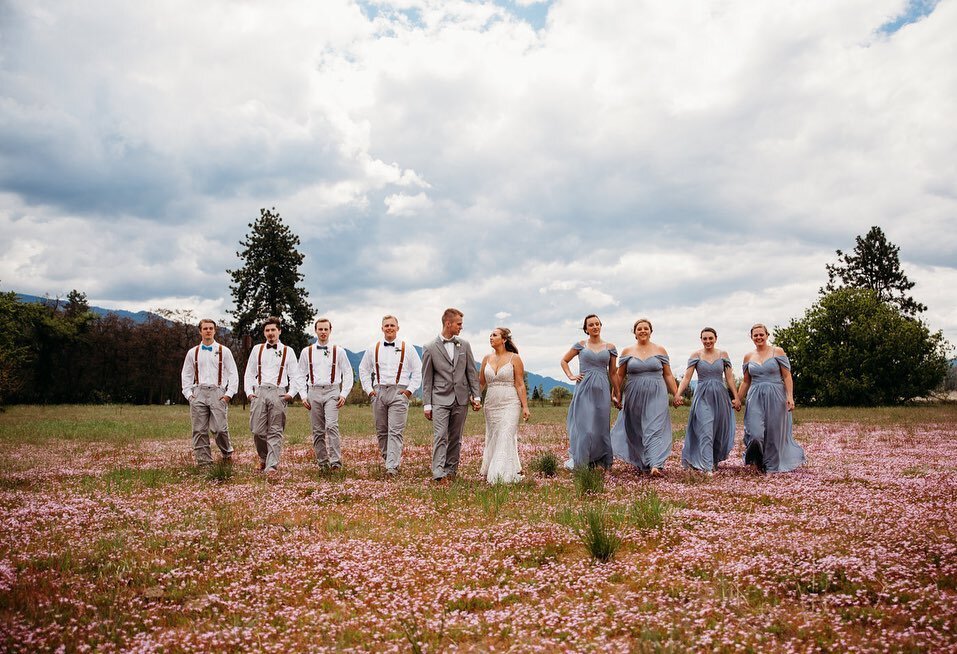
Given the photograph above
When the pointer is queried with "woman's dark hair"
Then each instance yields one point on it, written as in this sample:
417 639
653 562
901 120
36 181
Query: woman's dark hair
585 321
507 337
709 329
638 322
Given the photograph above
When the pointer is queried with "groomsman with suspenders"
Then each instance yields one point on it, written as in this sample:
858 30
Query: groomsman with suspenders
210 380
328 376
272 379
390 372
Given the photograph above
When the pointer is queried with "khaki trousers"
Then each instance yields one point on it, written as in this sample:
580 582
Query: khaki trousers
390 408
324 415
208 413
267 420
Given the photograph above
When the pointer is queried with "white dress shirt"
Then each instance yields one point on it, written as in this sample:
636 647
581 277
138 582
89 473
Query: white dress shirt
321 372
290 380
209 370
389 356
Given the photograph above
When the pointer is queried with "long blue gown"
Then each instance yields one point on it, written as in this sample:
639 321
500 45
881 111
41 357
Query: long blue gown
589 414
768 438
642 433
709 436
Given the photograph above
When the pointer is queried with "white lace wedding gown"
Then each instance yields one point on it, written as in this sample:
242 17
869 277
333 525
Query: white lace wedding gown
500 462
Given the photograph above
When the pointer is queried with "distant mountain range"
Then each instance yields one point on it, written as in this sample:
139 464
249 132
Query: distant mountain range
138 317
547 383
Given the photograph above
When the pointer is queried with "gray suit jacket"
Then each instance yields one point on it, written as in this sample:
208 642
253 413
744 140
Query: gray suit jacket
446 382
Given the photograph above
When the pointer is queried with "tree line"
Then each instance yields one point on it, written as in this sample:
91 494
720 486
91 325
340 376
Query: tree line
862 343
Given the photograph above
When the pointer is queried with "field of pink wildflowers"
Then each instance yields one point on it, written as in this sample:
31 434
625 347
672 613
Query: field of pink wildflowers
110 540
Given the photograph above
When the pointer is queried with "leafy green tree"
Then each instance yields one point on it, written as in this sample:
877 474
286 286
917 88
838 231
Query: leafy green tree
853 349
874 264
559 394
266 285
15 352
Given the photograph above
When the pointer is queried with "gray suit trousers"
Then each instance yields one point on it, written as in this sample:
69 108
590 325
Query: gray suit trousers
448 423
267 420
207 412
390 408
324 415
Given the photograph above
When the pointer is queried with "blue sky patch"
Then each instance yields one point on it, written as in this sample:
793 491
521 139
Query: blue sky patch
915 10
534 14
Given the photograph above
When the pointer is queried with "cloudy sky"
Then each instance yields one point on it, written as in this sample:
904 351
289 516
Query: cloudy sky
528 162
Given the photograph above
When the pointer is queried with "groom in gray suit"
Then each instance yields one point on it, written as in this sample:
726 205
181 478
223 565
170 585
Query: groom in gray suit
449 385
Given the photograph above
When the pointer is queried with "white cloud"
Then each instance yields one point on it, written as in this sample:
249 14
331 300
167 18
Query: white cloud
400 204
696 164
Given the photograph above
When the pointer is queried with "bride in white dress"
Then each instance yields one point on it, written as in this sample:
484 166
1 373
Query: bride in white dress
503 373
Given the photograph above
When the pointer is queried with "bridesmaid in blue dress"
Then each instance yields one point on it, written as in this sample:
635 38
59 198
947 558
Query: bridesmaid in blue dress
642 433
709 436
589 414
768 441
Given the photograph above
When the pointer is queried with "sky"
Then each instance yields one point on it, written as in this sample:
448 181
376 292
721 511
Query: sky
527 162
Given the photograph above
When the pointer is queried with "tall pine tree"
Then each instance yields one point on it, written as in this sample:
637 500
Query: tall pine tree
874 264
266 285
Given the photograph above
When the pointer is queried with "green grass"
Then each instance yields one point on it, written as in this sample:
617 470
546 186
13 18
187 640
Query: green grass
648 510
594 525
124 424
589 480
546 464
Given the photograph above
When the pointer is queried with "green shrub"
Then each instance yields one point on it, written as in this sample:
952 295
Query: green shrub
589 480
545 464
596 531
648 510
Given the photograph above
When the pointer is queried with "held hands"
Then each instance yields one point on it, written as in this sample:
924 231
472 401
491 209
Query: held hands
287 397
678 400
736 404
476 405
428 414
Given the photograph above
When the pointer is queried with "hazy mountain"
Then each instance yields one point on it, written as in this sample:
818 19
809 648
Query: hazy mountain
138 317
547 383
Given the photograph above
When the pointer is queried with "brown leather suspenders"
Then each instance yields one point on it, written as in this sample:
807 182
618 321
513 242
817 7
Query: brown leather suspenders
332 376
219 378
378 377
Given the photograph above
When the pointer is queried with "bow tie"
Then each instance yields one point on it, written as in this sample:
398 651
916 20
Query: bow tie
208 348
273 346
389 344
451 340
322 347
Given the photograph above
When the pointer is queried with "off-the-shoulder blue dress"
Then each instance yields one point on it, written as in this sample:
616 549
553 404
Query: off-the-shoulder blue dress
768 437
589 414
642 433
709 435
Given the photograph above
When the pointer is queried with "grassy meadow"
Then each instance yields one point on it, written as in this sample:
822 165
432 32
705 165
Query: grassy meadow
111 540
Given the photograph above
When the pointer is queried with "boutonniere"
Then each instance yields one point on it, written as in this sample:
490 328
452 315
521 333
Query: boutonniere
457 344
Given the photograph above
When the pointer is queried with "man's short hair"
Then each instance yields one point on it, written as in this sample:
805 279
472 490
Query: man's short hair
273 320
386 317
451 314
205 320
316 326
